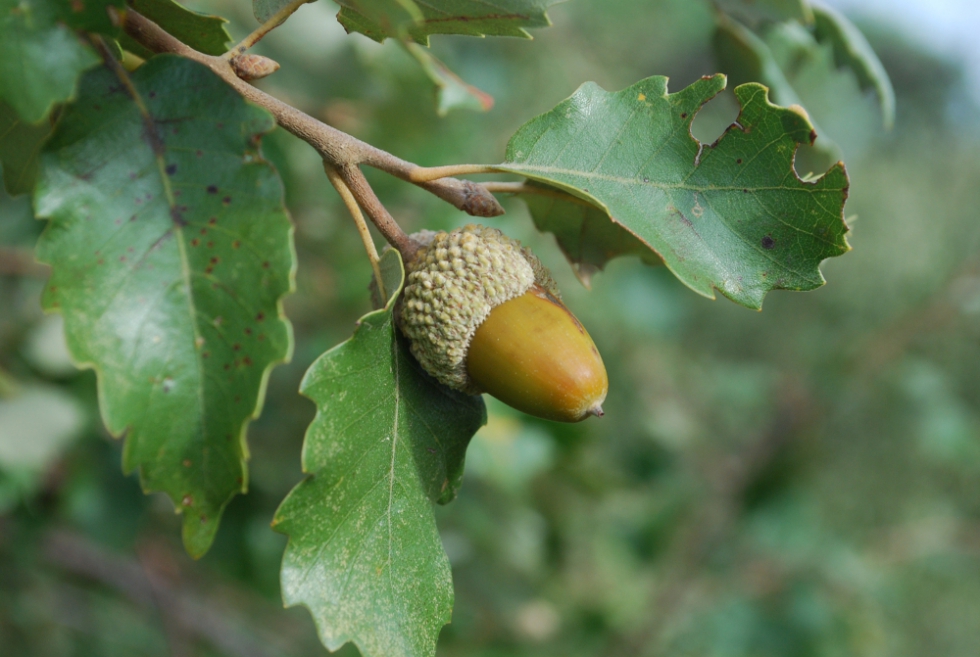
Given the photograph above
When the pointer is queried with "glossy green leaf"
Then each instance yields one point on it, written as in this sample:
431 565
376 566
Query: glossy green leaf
772 10
364 554
451 91
584 232
170 252
732 215
40 57
200 31
851 49
20 145
380 19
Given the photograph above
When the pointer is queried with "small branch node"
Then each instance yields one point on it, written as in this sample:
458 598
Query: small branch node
250 67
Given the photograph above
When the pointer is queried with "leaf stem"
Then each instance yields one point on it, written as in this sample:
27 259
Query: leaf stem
337 148
355 211
258 33
428 174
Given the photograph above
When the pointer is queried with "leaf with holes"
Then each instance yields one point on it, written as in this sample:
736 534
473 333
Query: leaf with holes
744 57
731 216
170 252
380 19
364 554
583 231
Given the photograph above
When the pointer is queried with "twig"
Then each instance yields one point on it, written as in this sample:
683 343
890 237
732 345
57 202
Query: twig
275 21
337 148
358 185
355 211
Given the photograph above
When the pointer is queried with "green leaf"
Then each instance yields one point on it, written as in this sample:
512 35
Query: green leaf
732 215
40 58
364 554
20 144
202 32
171 251
584 232
451 91
380 19
852 50
772 10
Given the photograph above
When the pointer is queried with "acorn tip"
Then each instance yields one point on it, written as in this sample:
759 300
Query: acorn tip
596 410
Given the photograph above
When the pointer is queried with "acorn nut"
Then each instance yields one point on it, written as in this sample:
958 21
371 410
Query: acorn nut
482 314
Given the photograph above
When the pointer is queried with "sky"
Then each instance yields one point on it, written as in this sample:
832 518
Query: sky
947 27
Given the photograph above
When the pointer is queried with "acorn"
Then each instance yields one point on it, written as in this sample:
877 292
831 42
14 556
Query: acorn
483 315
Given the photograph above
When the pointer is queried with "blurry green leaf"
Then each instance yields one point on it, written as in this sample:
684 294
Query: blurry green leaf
380 19
852 50
830 94
510 453
20 144
584 232
36 423
364 554
451 92
744 57
774 10
170 251
266 9
200 31
47 350
732 215
40 58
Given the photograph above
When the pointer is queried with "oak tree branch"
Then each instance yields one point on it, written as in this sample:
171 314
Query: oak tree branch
338 149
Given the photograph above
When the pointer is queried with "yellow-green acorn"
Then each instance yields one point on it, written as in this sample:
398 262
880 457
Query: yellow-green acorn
482 314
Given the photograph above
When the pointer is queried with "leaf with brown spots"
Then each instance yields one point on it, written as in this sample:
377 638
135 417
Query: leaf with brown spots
364 554
160 315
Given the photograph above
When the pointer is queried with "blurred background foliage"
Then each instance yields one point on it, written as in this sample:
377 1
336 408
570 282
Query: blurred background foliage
801 481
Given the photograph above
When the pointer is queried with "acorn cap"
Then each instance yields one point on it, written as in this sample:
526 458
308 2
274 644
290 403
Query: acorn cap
453 283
